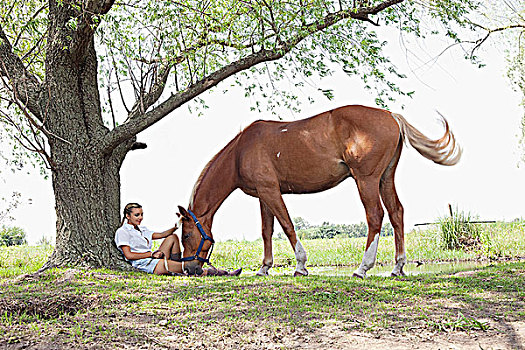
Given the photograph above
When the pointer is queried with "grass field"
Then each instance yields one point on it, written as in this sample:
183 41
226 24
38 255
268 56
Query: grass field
103 309
500 240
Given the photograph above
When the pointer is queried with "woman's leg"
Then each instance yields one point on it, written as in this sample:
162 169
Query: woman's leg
171 247
216 272
173 266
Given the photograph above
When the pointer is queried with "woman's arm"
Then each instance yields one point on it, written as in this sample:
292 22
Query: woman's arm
135 256
159 235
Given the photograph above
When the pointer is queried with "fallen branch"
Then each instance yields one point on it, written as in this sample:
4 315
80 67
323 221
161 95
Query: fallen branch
463 222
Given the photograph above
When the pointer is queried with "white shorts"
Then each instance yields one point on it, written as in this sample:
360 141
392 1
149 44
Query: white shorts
147 265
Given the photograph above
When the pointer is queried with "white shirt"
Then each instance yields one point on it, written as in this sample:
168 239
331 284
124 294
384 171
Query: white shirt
138 241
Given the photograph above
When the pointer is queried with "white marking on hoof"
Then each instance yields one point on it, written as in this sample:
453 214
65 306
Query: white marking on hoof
397 274
300 256
358 274
369 258
263 271
400 263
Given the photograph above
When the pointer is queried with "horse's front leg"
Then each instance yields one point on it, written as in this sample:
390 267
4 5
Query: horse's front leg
267 232
274 201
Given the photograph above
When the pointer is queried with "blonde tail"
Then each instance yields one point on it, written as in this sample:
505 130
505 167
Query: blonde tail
444 151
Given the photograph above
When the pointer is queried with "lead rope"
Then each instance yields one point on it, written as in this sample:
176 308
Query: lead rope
166 264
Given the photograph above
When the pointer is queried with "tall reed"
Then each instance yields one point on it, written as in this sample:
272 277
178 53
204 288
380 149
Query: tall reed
459 232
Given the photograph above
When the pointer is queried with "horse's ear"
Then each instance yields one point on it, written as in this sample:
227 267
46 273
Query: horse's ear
182 212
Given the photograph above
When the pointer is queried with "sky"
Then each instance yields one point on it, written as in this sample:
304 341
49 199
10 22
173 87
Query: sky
480 105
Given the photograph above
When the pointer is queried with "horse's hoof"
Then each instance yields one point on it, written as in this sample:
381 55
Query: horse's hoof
262 274
398 274
299 274
358 276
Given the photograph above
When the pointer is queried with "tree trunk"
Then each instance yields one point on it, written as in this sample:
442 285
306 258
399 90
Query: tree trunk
86 180
87 195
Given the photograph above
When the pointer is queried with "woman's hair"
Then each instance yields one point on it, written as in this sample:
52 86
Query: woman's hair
127 210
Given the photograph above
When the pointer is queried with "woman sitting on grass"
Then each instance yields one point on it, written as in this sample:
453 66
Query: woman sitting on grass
135 242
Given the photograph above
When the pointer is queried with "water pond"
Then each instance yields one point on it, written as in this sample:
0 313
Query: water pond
385 270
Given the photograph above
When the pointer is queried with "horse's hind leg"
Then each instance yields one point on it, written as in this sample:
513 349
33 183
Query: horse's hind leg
267 232
395 213
274 201
369 192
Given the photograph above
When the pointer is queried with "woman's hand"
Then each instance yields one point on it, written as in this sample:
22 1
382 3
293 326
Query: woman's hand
157 254
168 232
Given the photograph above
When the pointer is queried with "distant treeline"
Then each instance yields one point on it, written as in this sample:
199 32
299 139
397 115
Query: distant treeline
305 230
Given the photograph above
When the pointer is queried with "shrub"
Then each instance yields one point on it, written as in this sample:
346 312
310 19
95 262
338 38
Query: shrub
10 236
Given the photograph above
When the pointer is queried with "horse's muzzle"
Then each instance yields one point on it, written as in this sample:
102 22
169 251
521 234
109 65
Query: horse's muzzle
193 268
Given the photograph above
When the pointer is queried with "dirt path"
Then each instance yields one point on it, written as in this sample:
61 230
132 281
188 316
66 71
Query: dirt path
511 336
508 336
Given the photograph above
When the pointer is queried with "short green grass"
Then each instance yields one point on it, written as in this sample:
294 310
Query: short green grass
115 309
82 308
17 260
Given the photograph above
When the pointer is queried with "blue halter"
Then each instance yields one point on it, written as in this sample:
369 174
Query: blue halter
204 237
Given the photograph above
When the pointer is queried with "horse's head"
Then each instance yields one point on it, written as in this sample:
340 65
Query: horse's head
197 242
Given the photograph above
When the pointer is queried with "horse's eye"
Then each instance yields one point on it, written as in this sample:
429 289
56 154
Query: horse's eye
186 235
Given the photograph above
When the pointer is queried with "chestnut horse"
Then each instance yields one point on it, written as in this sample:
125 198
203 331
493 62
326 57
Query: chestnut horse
271 158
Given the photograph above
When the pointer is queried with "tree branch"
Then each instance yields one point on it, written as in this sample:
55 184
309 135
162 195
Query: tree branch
87 23
139 120
99 7
33 145
147 100
490 31
25 84
35 126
